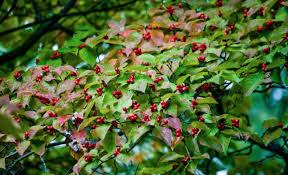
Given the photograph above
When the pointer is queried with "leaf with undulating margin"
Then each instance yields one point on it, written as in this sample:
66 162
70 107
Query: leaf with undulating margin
271 134
270 123
88 55
164 134
109 142
2 163
157 170
230 75
203 156
79 135
34 129
86 122
170 156
207 100
225 141
167 96
157 37
9 126
139 85
174 123
211 142
100 131
22 147
181 79
147 58
65 86
250 83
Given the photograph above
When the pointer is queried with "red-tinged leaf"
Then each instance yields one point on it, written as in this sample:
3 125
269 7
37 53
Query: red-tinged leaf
79 135
174 123
120 141
49 77
5 101
157 37
148 46
59 70
76 169
127 51
65 86
22 147
126 33
73 96
166 135
175 142
34 129
203 156
63 119
191 14
153 12
116 25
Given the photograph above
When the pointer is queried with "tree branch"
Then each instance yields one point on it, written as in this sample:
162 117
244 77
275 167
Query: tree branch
9 11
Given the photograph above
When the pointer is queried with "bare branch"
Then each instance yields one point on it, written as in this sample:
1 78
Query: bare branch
9 11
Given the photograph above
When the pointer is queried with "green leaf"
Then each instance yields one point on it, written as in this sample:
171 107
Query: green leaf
88 55
182 79
170 156
250 83
139 85
109 142
230 75
86 122
270 123
271 134
147 58
100 131
203 156
157 170
8 126
207 100
2 163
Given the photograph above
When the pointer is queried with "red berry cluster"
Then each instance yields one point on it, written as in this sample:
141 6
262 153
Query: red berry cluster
245 13
88 157
261 11
260 29
165 122
194 103
174 39
97 69
235 122
117 70
219 3
138 51
18 76
120 52
88 145
135 105
201 119
19 105
201 58
82 46
146 118
117 151
43 100
205 87
133 117
124 109
26 135
52 114
175 167
194 131
147 35
221 126
183 39
131 79
114 124
153 108
158 79
286 36
77 81
266 50
264 67
152 86
280 2
165 104
172 27
219 13
178 132
117 94
181 88
50 129
286 66
55 55
99 90
38 78
269 24
77 121
73 74
170 9
213 28
54 100
185 160
202 16
159 118
45 68
88 97
100 120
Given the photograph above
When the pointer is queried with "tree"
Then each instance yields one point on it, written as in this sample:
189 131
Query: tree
171 96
